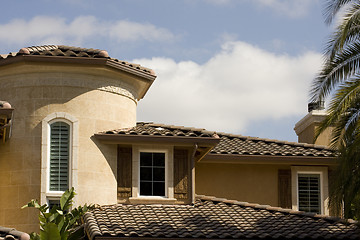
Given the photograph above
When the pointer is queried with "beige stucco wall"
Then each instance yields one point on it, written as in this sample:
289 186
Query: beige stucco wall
242 182
306 128
307 136
99 98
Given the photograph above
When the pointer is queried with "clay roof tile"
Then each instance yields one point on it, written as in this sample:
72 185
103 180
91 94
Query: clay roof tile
217 218
69 51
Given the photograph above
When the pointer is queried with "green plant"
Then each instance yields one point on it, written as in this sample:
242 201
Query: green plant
339 80
60 222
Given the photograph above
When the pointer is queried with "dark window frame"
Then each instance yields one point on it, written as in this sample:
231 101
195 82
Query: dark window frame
156 186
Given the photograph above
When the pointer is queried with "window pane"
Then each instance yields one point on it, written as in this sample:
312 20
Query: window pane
145 159
152 174
159 188
159 159
309 193
159 174
146 189
146 173
52 203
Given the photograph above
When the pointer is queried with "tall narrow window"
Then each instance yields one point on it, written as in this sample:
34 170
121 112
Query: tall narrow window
152 174
59 156
309 193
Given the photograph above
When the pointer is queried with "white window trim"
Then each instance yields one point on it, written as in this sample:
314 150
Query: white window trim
169 174
45 153
324 185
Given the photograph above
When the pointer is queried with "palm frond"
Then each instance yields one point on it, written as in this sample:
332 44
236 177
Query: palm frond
332 7
341 73
345 183
335 71
346 32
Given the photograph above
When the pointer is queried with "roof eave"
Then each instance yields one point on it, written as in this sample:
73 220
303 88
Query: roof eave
269 159
136 139
85 60
147 78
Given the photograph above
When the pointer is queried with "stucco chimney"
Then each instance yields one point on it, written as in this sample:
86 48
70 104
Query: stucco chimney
306 128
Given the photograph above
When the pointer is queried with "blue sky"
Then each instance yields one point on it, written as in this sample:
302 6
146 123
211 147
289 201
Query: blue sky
238 66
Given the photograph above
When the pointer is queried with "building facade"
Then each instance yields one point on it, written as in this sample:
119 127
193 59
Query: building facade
71 93
73 124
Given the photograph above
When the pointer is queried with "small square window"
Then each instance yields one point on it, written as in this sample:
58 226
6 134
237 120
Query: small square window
152 174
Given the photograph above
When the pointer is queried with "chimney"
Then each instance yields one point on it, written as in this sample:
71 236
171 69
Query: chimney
316 106
306 128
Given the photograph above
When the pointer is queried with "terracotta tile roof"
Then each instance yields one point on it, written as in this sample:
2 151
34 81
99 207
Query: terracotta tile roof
73 52
242 145
12 234
214 218
229 144
152 129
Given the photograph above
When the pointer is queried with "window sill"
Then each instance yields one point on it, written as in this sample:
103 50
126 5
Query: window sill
54 193
151 200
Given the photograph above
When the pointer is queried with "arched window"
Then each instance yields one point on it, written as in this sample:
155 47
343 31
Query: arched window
59 156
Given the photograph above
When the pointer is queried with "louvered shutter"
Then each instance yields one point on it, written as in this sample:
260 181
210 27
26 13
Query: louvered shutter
309 193
284 176
59 156
181 168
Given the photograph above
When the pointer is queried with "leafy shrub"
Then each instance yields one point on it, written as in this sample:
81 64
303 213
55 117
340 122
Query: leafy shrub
61 222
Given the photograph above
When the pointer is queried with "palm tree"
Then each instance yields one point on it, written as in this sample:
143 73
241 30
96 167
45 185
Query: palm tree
340 79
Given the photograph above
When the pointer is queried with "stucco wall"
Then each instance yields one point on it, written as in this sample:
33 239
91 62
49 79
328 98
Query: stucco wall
307 136
98 98
249 183
306 128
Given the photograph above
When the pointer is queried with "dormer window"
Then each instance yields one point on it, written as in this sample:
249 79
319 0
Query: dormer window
152 174
152 171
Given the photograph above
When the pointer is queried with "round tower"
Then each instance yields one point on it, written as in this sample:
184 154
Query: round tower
61 97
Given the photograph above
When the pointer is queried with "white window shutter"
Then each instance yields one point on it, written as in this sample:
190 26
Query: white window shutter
309 193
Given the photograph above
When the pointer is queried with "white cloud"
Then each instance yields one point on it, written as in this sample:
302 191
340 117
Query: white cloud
59 30
291 8
240 84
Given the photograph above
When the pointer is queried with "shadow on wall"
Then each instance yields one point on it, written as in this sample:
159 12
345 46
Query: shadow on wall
108 150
